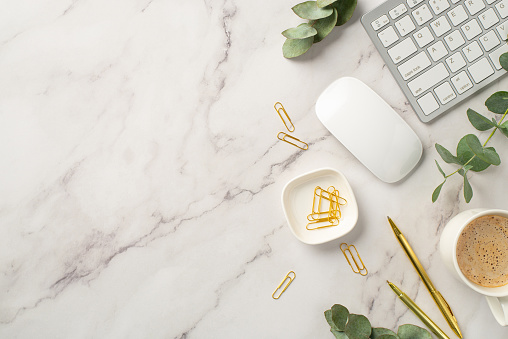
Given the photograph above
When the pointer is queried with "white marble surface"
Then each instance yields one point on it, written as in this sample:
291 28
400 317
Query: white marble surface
141 177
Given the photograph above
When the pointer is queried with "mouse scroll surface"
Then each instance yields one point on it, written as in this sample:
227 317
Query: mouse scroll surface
369 128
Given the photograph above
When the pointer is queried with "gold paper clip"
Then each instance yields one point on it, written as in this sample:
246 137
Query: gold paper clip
301 145
289 278
278 107
357 268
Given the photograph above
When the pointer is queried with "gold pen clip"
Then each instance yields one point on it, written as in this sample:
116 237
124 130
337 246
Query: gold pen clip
289 278
357 268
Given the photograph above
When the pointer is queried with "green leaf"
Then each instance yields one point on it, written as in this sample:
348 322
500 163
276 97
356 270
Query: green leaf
388 336
328 317
436 192
503 60
324 3
338 317
296 47
324 26
310 10
379 332
358 327
301 32
497 102
478 121
447 155
339 335
440 169
488 154
504 128
413 332
468 190
464 170
345 9
464 154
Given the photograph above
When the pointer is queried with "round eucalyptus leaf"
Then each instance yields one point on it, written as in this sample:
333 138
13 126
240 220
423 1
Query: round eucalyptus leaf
345 9
358 327
324 26
498 102
296 47
340 315
504 128
301 32
310 10
464 153
488 154
478 121
382 333
446 155
339 334
413 332
503 60
324 3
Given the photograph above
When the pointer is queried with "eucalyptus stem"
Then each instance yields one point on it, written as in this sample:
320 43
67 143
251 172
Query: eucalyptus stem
496 128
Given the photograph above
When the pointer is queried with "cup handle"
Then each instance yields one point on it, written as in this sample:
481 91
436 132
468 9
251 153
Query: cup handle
499 307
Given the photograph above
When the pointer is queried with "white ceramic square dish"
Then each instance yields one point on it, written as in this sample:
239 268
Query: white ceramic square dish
297 204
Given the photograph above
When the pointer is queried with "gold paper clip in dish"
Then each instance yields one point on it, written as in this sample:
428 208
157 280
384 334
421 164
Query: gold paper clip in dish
291 140
285 118
283 285
357 268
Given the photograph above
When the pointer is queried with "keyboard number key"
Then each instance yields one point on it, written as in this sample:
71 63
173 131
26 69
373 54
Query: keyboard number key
455 62
398 11
437 51
428 103
445 93
461 82
388 36
405 25
423 37
481 70
454 40
422 14
439 6
380 22
413 3
472 51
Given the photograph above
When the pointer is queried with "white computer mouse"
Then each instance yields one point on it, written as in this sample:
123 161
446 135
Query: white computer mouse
369 128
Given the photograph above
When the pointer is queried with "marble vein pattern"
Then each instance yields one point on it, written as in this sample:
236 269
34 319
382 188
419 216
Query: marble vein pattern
141 176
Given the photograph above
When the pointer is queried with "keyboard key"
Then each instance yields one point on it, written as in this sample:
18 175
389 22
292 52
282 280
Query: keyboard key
440 26
445 93
490 2
471 29
414 65
423 37
455 1
439 6
457 15
380 22
402 50
413 3
502 8
488 18
437 51
388 36
494 56
405 25
422 14
455 62
503 30
474 6
428 103
481 70
428 79
398 11
461 82
454 40
489 41
472 51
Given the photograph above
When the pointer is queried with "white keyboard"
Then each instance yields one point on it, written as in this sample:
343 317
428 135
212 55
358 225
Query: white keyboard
440 51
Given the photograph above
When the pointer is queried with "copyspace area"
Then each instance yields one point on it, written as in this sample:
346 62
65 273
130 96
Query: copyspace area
140 194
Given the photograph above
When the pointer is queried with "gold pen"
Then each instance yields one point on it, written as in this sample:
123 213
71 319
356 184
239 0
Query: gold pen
438 298
418 312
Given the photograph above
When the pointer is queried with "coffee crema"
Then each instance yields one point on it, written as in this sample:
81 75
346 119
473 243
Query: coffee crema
482 251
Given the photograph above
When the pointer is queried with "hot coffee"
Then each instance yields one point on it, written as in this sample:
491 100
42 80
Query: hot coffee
482 251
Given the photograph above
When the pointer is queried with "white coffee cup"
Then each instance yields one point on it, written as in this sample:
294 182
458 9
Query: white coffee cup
497 297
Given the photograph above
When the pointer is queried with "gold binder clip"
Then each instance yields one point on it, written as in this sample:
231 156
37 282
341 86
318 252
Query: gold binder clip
289 278
288 138
278 107
357 268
